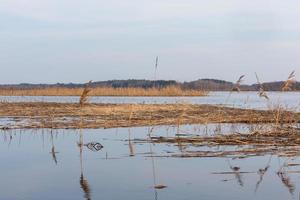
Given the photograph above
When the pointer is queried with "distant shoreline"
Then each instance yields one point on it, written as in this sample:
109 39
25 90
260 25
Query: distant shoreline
201 84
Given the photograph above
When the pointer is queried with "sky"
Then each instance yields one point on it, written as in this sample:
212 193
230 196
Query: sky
52 41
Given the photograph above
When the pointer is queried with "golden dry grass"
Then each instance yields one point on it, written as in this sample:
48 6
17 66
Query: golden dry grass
102 91
67 115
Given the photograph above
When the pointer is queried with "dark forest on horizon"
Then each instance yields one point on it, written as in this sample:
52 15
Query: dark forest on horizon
201 84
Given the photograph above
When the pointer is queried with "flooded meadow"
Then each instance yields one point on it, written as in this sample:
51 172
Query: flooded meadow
114 164
226 159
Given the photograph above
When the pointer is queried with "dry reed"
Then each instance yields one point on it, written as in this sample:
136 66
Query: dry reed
288 83
102 91
238 84
85 92
67 115
261 91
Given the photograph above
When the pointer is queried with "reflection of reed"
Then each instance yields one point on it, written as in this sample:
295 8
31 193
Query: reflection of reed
261 173
84 185
156 186
10 139
54 155
153 166
236 172
53 152
153 172
131 150
285 179
20 138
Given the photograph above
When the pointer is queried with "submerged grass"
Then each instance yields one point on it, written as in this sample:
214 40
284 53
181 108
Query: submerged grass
283 141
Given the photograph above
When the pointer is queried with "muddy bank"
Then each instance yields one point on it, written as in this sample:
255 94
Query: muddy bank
69 115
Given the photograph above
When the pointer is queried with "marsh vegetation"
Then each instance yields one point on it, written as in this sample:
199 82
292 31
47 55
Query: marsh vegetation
232 147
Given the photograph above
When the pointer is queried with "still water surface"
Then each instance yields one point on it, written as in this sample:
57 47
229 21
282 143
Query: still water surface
240 100
45 164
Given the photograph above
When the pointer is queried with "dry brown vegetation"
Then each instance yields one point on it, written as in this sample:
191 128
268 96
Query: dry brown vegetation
290 80
102 91
282 141
67 115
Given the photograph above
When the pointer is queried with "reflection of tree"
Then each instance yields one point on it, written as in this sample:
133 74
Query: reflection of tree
84 185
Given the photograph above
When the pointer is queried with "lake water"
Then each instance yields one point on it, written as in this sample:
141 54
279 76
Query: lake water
240 100
45 164
52 164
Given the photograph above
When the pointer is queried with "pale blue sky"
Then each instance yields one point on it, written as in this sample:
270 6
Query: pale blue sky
49 41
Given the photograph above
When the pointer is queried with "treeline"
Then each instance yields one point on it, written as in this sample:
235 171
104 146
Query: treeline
201 84
221 85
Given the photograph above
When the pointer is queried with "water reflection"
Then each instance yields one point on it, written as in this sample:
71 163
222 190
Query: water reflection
84 185
130 145
93 146
286 181
156 186
140 167
285 178
241 100
261 172
236 172
53 152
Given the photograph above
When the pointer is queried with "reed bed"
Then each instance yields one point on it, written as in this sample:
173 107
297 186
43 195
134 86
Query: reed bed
102 91
68 115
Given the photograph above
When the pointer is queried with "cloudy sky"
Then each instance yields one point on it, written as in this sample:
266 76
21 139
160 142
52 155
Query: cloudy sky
49 41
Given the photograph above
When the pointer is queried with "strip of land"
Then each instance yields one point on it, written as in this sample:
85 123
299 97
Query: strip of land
103 91
71 115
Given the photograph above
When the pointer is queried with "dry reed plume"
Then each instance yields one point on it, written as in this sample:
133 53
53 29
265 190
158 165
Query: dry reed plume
85 92
238 84
288 83
261 91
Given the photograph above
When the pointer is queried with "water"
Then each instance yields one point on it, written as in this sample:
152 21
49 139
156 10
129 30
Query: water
239 100
45 164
